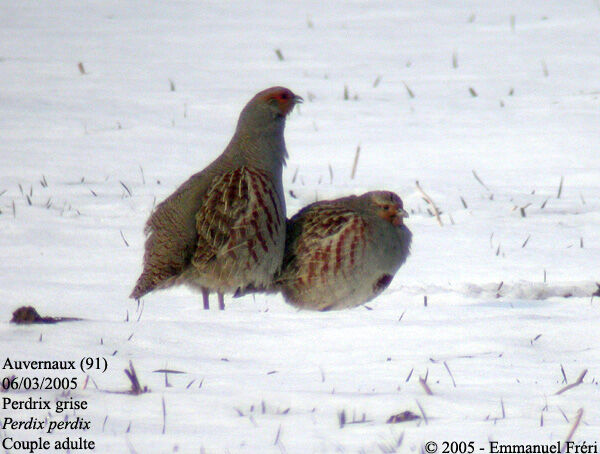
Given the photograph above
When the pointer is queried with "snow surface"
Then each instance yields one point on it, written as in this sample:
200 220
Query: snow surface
508 296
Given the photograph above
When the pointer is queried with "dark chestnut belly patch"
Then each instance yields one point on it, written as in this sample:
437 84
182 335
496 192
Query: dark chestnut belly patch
382 283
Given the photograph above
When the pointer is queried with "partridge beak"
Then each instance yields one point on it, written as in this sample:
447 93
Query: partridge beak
288 105
399 216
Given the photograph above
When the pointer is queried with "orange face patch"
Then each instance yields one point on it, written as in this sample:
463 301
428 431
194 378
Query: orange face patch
284 98
390 213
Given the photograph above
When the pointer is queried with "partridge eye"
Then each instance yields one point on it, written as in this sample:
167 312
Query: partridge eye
284 96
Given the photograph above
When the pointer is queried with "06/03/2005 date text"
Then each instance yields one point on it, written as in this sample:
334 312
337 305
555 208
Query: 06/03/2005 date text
38 383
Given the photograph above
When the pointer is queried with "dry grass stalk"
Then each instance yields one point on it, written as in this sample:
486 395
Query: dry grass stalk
342 418
578 417
425 386
136 388
535 339
164 411
450 373
522 210
123 237
563 414
355 164
560 186
126 188
422 412
480 181
562 369
277 436
428 199
391 446
572 385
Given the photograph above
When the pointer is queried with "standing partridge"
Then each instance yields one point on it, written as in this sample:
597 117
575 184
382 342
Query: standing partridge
342 253
224 228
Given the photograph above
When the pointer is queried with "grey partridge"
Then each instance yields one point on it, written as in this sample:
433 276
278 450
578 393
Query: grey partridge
342 253
224 228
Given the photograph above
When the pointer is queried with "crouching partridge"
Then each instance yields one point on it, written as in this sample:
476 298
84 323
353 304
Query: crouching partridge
342 253
224 228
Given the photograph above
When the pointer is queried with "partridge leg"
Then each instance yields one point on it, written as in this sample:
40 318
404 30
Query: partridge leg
205 297
221 301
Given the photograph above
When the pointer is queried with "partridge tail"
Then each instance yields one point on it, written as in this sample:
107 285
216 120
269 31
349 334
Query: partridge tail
143 285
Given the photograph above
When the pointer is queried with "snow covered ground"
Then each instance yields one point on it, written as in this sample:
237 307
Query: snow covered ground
437 92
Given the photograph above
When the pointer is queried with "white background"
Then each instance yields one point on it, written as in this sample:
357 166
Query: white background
115 140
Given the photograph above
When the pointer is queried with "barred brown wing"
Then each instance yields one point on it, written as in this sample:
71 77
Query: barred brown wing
240 221
328 250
